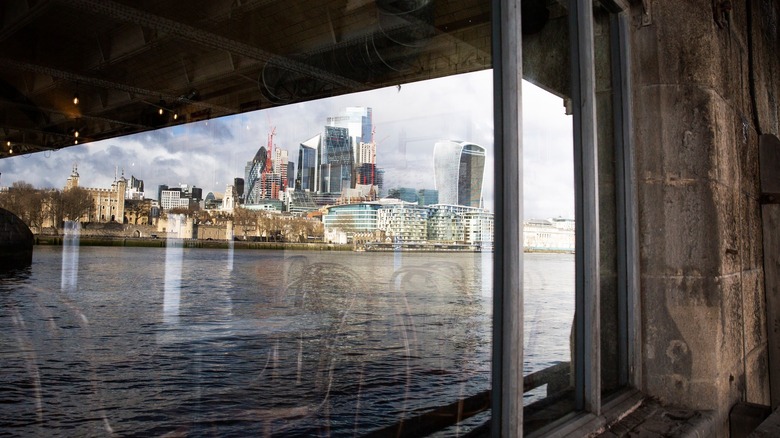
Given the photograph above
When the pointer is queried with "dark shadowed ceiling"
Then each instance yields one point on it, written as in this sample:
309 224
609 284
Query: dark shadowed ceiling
140 65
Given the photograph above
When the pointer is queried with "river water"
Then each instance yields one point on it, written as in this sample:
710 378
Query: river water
197 342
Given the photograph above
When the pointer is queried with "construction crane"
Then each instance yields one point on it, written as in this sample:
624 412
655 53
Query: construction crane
273 193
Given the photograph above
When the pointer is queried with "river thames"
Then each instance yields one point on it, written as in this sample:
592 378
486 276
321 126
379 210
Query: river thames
98 341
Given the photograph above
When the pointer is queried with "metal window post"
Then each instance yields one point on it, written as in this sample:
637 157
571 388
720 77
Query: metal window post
587 355
507 367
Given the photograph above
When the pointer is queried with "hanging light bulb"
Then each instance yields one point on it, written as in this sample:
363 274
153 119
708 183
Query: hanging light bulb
175 116
160 111
76 99
75 142
76 133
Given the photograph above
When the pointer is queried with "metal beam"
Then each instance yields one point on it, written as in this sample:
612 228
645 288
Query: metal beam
19 17
6 63
207 39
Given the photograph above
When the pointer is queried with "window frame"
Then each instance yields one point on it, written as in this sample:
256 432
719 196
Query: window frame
507 379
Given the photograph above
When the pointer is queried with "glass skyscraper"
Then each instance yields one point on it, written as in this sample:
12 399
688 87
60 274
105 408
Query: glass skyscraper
459 169
358 121
306 177
338 160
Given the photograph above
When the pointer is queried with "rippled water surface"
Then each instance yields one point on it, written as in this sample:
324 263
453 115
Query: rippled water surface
143 342
140 341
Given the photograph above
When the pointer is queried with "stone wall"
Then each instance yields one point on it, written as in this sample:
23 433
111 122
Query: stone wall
704 87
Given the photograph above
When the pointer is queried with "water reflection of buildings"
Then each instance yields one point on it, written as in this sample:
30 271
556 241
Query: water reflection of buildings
555 234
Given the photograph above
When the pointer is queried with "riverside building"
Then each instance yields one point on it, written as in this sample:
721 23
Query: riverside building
408 222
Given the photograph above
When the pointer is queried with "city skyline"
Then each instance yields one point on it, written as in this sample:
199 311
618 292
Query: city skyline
409 120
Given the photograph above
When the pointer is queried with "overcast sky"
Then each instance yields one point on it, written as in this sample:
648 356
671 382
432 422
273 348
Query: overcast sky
408 121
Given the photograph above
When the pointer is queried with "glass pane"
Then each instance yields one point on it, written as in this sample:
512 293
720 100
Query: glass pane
319 268
548 230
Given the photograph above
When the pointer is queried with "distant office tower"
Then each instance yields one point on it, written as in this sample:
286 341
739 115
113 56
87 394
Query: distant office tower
196 193
366 153
252 172
337 160
280 166
459 168
365 170
136 183
358 121
160 189
427 197
135 189
308 166
238 183
406 194
290 175
262 181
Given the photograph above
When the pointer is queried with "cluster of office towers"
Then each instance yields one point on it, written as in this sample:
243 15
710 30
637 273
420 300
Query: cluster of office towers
340 162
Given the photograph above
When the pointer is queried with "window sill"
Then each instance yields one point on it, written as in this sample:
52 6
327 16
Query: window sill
629 413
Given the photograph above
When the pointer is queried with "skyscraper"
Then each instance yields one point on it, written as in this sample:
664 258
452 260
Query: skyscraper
252 172
358 122
290 183
338 160
308 166
459 168
238 183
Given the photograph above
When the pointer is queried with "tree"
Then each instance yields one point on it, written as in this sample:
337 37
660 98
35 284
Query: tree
76 202
54 210
26 202
243 220
137 209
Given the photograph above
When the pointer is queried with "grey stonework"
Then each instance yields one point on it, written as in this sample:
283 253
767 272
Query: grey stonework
702 95
16 241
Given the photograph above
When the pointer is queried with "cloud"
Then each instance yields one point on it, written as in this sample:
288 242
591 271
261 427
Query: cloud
409 121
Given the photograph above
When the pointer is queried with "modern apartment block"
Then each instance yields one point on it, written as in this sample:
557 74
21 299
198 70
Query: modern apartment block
408 222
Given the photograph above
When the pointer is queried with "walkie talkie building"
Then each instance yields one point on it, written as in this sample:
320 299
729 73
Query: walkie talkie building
459 168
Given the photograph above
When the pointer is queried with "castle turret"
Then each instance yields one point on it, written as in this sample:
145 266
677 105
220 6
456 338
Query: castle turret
73 179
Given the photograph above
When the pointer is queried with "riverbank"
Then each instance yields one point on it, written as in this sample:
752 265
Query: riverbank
146 242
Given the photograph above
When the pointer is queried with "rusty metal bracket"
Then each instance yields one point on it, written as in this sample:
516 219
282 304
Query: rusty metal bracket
647 15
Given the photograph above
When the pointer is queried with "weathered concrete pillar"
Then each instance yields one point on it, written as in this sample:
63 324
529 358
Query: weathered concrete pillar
703 313
16 241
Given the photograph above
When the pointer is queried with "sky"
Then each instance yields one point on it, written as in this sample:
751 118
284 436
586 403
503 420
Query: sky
408 120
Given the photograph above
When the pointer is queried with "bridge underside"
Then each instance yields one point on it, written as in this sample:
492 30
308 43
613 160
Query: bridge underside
141 65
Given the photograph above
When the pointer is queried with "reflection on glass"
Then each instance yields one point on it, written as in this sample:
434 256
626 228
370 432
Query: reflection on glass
231 290
548 262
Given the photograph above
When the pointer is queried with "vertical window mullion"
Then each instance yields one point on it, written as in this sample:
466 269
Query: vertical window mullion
587 339
632 326
507 368
621 195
